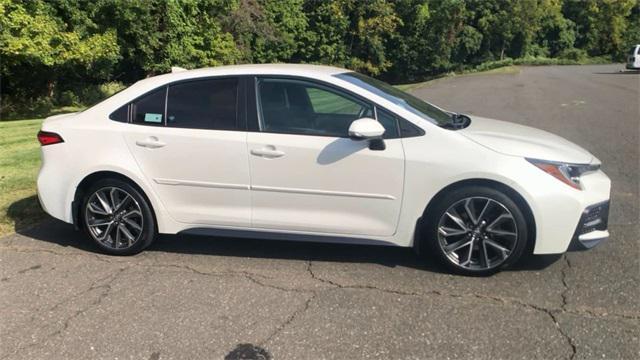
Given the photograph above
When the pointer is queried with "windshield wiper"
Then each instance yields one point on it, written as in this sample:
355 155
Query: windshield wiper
458 121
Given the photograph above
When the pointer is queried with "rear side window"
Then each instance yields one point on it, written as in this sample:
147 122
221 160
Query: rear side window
203 104
121 115
149 109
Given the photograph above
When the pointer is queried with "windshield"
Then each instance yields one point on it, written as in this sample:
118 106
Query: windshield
399 97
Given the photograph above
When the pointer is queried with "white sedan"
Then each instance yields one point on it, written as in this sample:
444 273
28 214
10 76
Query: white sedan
304 152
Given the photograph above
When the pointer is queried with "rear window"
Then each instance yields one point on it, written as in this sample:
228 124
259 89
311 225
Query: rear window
203 104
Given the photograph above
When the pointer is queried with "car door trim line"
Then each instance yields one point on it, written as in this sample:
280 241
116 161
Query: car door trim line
323 192
175 182
200 184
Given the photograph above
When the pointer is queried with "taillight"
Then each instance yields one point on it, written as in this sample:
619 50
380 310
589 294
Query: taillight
49 138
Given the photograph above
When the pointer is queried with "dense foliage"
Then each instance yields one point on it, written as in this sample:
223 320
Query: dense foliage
63 51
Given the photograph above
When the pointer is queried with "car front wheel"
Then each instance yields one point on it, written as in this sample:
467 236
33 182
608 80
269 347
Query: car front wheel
476 231
117 217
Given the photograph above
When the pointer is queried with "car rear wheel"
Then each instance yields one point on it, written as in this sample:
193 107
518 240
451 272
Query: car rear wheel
476 231
117 217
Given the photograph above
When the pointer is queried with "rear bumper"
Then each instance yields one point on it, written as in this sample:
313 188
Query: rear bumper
53 182
592 227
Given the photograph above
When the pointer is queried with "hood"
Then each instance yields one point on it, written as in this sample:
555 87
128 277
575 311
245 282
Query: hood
519 140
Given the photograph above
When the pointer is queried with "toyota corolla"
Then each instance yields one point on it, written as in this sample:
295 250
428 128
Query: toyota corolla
304 152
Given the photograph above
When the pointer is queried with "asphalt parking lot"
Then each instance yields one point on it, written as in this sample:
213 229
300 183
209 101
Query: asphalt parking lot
214 298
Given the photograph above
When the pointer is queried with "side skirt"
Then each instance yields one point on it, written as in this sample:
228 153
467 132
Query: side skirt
283 236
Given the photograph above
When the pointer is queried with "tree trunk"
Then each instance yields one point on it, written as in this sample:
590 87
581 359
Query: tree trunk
51 84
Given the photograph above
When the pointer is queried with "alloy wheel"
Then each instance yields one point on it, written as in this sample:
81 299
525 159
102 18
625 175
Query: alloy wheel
114 218
477 233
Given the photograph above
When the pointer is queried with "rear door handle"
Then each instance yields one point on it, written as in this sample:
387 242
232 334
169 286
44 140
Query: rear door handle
151 142
268 152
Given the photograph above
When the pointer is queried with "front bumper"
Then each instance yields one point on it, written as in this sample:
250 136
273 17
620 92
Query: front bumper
592 227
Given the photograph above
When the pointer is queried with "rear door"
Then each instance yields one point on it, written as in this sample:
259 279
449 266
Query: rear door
189 139
308 175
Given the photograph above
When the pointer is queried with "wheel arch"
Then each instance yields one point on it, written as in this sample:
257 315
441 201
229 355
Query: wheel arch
508 190
90 179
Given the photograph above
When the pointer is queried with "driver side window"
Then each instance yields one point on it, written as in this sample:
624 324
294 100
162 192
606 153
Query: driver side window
305 108
325 102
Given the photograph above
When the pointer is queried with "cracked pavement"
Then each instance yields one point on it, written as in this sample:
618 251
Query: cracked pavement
211 298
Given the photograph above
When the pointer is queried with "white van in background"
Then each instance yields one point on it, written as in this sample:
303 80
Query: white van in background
633 61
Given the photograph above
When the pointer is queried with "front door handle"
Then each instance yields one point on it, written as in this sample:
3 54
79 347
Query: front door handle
151 142
268 152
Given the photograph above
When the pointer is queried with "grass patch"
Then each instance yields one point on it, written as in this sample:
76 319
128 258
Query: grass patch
19 165
41 113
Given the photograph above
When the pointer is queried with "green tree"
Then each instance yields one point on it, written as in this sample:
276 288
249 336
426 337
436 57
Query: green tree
58 47
372 25
194 38
556 33
326 40
156 34
427 40
601 24
267 30
37 47
351 33
631 36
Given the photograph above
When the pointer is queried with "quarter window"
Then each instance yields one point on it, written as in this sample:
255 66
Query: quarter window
121 115
300 107
389 122
149 109
203 104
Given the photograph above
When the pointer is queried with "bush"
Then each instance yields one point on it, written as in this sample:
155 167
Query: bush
573 54
12 108
531 60
30 108
536 50
92 94
67 98
490 65
110 88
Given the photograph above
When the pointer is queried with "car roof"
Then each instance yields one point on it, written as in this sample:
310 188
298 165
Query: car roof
320 72
308 70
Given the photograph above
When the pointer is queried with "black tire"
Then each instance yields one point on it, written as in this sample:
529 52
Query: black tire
513 217
143 237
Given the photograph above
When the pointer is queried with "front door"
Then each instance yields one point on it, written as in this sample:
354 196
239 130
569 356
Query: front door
308 175
193 150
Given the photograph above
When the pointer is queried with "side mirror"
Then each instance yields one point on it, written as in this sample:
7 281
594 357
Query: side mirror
365 129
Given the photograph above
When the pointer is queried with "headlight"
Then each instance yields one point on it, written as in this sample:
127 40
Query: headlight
567 173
